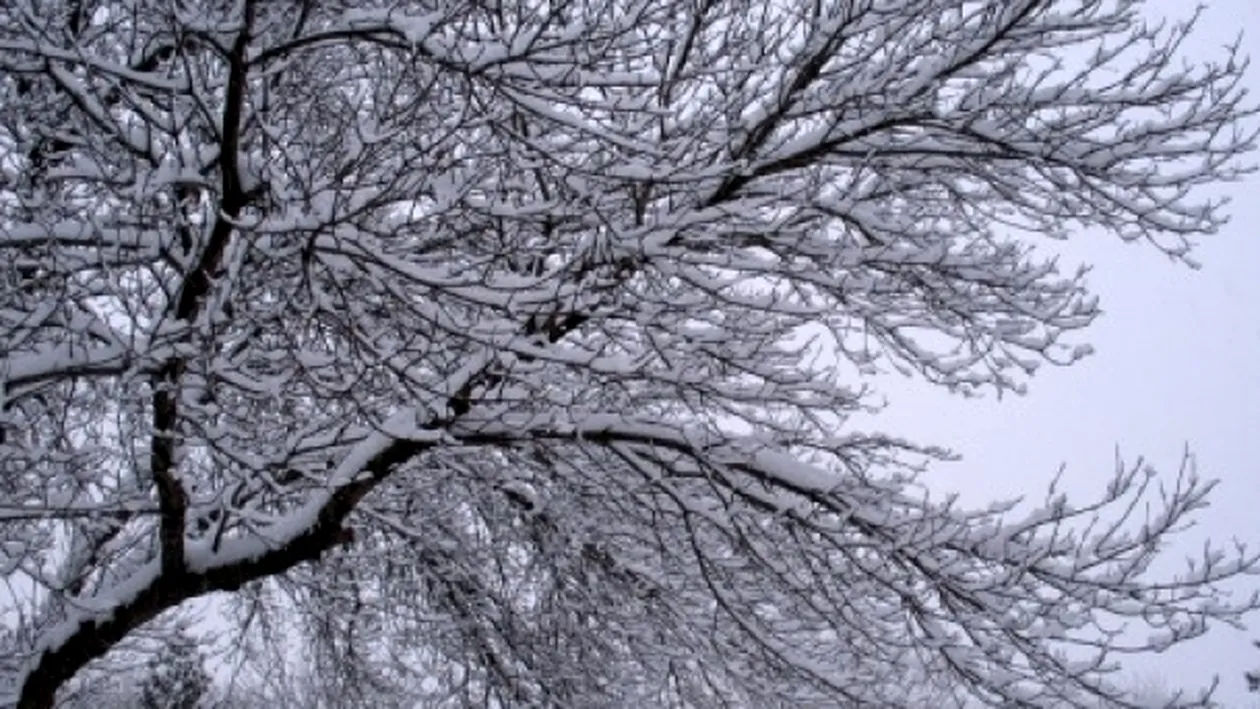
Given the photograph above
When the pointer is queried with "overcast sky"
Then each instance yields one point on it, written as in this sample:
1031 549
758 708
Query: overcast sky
1177 364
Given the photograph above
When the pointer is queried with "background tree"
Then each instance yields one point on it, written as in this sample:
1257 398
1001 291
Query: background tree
512 345
162 666
1253 676
177 677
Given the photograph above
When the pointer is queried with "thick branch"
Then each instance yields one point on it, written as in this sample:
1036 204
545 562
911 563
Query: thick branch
89 638
172 498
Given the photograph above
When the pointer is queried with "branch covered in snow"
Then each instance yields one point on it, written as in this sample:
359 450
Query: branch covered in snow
515 347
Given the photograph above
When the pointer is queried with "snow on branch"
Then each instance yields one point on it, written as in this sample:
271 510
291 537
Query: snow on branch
525 340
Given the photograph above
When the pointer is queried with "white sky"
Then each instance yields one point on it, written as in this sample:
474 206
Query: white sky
1177 363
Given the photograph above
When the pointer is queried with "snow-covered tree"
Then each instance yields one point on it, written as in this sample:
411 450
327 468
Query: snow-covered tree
176 677
513 346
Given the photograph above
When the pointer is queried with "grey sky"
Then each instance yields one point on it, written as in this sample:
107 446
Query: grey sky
1177 363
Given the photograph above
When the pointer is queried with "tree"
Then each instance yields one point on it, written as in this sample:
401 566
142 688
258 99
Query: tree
177 677
1152 692
160 668
513 345
1253 676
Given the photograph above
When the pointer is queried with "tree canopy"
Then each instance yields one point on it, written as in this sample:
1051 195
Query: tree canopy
508 350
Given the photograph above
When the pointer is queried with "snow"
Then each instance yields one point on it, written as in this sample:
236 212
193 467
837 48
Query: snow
794 474
53 361
416 28
378 279
80 233
89 611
